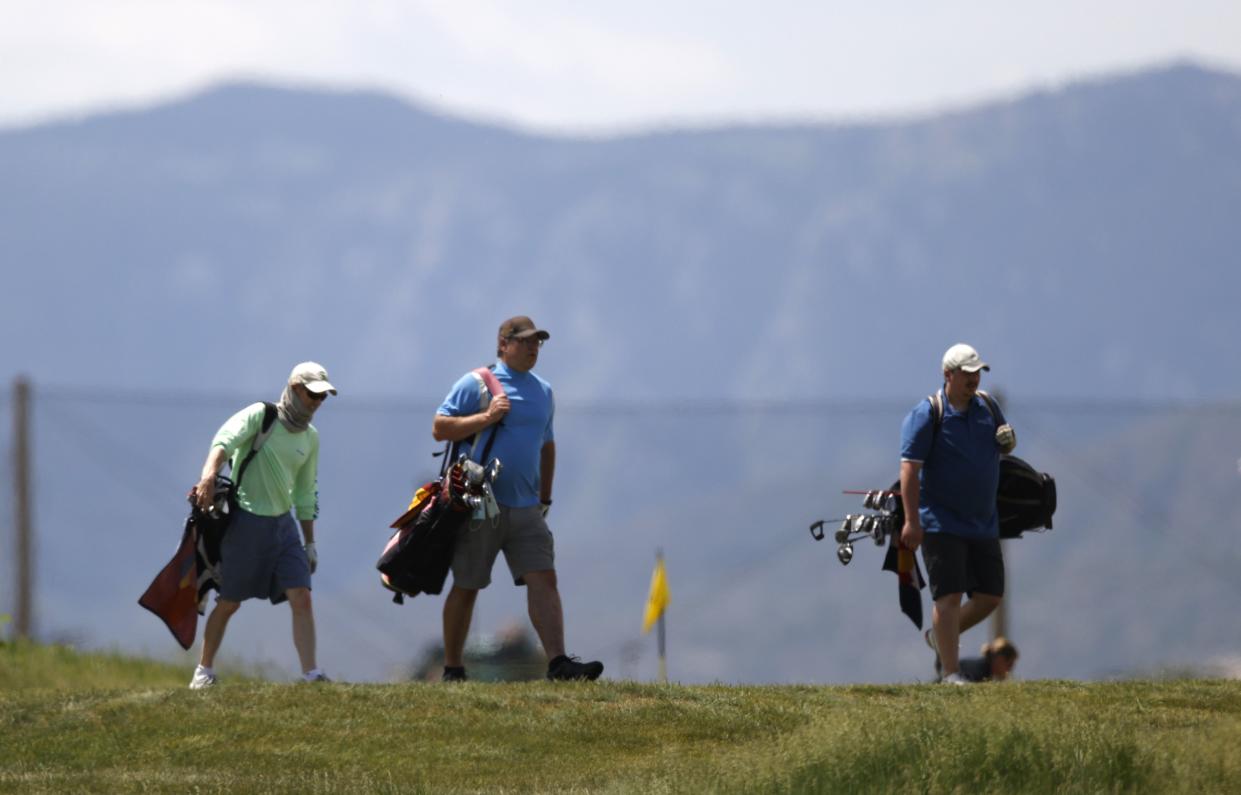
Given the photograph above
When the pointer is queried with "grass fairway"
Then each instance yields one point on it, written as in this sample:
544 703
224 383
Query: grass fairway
85 723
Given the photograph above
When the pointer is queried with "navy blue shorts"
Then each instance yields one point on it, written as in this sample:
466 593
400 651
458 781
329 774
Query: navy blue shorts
262 557
963 565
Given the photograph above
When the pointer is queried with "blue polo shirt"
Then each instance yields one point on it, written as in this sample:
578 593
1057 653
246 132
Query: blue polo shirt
960 470
519 439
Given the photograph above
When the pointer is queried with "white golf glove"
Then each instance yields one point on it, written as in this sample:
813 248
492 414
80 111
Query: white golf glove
1006 438
545 507
312 556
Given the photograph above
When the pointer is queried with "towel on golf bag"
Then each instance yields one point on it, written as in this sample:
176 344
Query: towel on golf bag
173 594
178 594
904 562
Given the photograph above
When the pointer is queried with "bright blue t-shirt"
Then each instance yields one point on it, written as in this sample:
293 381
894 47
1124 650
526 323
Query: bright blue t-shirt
519 438
960 469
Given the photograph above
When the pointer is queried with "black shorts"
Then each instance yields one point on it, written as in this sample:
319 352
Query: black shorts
963 565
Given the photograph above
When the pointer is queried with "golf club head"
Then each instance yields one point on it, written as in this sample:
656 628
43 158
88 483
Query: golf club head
844 553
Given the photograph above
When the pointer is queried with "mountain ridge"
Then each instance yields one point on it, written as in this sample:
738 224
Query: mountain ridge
1007 194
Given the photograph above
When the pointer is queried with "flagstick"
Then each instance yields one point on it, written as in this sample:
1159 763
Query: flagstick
656 606
663 655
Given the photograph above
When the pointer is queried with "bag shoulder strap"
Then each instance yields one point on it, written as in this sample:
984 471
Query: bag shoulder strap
937 410
488 387
269 422
991 405
936 399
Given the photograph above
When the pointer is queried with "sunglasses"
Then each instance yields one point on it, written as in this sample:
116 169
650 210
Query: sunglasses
315 396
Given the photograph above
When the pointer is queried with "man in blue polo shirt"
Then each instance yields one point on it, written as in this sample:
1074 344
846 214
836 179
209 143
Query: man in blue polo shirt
521 421
949 477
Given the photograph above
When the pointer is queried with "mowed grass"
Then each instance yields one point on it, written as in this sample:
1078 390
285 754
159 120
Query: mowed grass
104 724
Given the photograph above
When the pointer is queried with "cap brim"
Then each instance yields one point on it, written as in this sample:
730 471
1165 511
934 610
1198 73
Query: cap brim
532 332
975 368
319 387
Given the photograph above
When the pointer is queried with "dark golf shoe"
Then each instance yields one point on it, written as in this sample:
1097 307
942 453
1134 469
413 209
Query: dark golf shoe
568 668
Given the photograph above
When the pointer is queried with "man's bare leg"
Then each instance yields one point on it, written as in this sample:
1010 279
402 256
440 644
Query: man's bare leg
458 610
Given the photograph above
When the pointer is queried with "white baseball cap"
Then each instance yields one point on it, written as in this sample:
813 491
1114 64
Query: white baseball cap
963 357
313 376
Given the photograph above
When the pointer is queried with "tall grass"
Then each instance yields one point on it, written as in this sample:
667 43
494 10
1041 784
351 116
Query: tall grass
138 728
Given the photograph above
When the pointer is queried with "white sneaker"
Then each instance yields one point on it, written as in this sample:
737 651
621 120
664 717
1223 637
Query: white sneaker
203 678
955 679
315 676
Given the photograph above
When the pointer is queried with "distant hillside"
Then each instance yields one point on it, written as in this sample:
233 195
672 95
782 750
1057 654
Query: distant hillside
1091 226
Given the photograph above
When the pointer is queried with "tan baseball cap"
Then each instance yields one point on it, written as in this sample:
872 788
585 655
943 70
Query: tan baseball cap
313 376
521 327
963 357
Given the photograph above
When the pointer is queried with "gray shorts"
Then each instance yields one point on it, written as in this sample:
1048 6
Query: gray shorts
262 557
523 536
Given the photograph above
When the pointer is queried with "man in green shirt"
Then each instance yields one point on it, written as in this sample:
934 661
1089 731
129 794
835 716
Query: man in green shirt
261 555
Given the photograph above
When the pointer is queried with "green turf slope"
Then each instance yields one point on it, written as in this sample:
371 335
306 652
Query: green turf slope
83 723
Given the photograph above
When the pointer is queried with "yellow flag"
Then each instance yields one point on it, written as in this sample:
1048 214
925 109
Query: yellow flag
658 598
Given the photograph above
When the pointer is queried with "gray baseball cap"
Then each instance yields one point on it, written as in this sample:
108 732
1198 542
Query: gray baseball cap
963 357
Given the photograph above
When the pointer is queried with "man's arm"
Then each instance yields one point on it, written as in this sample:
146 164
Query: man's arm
454 429
242 425
204 491
547 471
911 533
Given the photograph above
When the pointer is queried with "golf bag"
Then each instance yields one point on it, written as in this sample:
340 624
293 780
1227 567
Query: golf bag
178 594
211 525
419 554
1026 498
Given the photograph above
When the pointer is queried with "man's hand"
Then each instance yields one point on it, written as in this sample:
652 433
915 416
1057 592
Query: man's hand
911 534
1006 438
544 507
203 493
496 410
312 556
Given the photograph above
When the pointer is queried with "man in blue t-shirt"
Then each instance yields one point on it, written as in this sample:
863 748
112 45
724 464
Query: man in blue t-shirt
949 477
518 425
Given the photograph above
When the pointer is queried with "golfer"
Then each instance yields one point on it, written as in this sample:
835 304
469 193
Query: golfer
521 420
261 555
950 470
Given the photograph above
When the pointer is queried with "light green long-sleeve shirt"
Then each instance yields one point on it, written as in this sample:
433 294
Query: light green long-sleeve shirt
284 474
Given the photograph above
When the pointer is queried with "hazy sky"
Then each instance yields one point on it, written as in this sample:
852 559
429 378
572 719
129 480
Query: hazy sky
589 64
